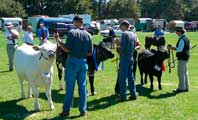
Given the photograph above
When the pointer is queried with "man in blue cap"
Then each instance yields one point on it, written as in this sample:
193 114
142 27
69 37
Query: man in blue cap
126 47
78 46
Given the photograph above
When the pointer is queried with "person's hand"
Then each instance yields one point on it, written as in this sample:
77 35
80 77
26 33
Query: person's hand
169 46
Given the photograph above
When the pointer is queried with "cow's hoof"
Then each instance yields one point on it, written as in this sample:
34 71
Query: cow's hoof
60 89
93 93
29 96
52 108
160 88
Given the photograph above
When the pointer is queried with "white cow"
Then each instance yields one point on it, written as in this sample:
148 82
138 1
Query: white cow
34 63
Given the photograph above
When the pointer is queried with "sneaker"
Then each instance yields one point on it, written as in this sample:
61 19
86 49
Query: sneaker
186 90
178 91
83 114
64 114
132 97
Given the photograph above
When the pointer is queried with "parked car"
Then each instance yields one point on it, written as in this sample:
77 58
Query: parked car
117 31
61 28
91 28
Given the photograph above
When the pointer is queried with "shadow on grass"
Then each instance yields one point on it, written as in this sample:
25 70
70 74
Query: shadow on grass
143 91
4 71
59 98
102 103
64 118
10 110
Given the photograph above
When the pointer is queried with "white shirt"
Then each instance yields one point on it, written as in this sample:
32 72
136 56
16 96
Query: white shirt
8 33
28 37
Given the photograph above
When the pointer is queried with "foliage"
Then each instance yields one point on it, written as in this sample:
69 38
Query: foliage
102 9
11 8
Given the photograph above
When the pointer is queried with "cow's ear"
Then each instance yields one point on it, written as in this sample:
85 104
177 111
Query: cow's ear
37 48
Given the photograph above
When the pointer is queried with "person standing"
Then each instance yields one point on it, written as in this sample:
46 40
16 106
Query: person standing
12 40
28 36
43 33
183 54
78 46
125 48
137 46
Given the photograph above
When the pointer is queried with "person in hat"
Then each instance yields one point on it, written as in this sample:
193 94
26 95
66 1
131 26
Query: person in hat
183 54
43 33
28 36
78 46
11 40
125 47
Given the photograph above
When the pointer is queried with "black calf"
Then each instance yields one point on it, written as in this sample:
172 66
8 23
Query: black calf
154 41
150 63
102 52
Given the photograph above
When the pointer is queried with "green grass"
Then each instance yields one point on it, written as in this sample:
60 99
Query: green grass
150 105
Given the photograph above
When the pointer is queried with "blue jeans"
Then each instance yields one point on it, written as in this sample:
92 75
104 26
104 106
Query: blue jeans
126 71
76 69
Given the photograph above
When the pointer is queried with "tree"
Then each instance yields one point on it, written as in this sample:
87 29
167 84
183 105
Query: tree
167 9
11 8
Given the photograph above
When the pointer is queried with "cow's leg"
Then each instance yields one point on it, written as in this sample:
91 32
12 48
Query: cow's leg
117 87
91 82
151 81
141 74
22 88
36 95
49 97
29 90
145 78
60 72
159 82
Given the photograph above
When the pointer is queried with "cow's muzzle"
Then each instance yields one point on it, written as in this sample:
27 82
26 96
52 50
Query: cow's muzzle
51 53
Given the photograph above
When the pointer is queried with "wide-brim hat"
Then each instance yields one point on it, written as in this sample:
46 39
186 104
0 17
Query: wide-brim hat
9 24
78 18
180 29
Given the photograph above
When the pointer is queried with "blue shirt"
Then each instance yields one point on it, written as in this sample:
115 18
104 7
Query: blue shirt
158 33
42 35
79 43
127 44
181 44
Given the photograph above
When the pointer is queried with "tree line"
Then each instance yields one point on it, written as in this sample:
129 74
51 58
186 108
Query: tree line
103 9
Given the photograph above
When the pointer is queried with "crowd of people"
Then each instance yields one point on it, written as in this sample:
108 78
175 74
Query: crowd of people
79 45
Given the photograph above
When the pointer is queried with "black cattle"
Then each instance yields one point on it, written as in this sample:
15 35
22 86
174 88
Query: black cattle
154 41
101 53
150 63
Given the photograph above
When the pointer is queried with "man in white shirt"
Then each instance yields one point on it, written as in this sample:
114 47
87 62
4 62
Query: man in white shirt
11 40
28 36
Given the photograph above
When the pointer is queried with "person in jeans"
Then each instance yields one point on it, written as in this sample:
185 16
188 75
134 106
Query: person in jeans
183 54
43 33
11 40
125 48
78 46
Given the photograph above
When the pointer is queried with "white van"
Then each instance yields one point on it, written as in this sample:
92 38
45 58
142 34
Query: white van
17 23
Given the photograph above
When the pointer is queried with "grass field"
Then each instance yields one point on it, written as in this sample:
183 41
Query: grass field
150 105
